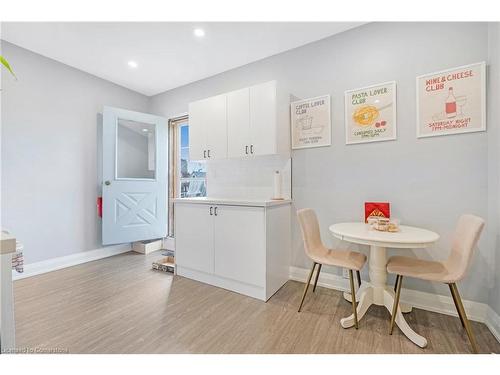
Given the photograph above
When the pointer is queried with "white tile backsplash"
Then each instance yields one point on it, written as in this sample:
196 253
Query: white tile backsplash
250 178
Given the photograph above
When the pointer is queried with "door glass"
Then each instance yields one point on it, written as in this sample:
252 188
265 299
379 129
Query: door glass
135 150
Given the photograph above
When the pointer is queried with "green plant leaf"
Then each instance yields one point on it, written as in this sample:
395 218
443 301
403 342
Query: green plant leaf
7 66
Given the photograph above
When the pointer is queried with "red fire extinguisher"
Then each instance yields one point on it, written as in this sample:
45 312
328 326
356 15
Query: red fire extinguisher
99 206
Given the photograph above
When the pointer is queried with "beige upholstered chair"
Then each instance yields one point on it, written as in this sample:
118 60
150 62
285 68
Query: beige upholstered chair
320 255
450 271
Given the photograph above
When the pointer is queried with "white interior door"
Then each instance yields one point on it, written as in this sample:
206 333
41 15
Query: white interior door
135 168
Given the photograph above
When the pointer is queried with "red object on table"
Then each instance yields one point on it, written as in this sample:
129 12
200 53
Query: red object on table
99 206
380 209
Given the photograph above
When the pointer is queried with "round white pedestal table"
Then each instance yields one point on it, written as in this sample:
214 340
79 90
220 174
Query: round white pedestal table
376 291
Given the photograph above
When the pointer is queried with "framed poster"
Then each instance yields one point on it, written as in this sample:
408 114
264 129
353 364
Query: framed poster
452 101
370 113
310 122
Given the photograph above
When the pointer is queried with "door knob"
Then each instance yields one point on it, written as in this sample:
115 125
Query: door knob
107 182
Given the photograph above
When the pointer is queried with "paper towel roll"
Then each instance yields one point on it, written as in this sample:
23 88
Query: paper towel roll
277 185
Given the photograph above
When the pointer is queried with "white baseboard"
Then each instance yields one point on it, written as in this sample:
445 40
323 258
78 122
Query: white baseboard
493 323
54 264
476 311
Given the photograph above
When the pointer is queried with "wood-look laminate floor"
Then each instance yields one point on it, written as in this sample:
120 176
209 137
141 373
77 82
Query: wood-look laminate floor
120 305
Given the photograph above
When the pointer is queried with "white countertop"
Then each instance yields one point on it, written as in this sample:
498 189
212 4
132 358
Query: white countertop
234 201
407 237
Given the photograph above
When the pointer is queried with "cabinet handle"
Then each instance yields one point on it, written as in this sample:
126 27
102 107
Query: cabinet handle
204 154
215 211
211 208
208 153
246 150
251 149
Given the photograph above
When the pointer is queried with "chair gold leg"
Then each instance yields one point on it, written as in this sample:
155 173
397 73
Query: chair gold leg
353 299
317 277
358 275
307 285
399 283
456 305
461 312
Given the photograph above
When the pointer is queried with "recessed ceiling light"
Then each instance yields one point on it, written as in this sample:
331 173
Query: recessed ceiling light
132 64
144 130
199 32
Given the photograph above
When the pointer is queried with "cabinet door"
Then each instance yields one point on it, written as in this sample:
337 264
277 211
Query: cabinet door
263 126
194 237
216 126
197 130
238 123
240 246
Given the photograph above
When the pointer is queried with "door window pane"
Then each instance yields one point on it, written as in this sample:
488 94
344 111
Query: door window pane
135 150
192 175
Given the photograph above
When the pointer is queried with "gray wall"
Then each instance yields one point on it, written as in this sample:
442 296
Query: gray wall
49 166
429 182
493 147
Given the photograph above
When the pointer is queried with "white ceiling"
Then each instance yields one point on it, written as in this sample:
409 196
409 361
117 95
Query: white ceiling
167 53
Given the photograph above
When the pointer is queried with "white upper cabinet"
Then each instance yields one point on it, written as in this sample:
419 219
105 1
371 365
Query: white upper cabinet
241 123
216 127
208 128
238 123
197 136
263 121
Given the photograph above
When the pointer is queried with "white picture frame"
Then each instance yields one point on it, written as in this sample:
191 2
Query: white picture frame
310 122
370 130
459 124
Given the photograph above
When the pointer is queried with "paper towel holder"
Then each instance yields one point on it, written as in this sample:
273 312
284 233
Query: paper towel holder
277 187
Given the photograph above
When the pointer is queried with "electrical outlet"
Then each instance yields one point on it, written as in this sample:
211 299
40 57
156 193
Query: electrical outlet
345 273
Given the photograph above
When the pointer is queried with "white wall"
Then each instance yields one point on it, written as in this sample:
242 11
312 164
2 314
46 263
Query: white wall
49 166
429 182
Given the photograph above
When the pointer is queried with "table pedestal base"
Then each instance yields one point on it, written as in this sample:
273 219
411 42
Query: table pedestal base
366 299
377 292
405 308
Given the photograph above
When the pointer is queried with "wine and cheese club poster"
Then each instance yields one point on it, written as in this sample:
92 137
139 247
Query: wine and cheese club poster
452 101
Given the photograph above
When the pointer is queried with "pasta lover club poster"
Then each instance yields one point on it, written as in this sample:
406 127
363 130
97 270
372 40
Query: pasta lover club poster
371 113
452 101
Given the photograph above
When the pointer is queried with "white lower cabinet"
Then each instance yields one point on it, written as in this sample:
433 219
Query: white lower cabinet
241 248
240 244
193 235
